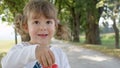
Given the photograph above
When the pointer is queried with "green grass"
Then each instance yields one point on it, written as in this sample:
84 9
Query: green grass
103 49
5 45
107 46
107 40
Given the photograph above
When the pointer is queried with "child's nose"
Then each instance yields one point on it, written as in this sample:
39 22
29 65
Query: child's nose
43 28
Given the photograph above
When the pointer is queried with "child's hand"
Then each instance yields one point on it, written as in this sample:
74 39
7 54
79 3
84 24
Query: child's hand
44 56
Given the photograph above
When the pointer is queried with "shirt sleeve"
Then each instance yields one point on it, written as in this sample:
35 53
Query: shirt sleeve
19 56
65 61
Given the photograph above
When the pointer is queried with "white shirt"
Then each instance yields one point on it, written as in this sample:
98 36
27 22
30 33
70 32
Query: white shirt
23 56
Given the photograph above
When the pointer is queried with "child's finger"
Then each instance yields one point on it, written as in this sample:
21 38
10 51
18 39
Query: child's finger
49 59
40 61
44 63
52 56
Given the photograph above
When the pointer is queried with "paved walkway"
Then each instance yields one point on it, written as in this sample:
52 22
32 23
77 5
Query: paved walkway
85 58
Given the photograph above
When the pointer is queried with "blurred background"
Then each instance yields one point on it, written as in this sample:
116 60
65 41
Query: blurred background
94 22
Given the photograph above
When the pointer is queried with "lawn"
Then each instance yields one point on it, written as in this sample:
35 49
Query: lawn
5 45
107 46
106 39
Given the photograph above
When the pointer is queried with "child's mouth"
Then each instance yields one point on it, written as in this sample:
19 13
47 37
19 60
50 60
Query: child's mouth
43 35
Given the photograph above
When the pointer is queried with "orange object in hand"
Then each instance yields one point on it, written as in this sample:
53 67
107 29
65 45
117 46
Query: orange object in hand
53 66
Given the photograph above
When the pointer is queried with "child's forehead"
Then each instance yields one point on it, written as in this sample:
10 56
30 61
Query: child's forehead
36 15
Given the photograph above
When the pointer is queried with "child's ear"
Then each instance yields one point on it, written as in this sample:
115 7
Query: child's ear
25 27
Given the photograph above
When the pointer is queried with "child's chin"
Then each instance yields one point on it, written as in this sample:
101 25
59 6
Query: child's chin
44 43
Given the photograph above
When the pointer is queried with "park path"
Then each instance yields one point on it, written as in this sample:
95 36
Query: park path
85 58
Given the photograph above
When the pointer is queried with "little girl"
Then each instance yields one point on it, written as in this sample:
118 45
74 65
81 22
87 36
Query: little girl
39 24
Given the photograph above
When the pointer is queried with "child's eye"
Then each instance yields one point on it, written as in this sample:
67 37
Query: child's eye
36 22
49 22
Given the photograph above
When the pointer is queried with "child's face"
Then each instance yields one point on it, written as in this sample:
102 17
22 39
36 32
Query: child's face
40 29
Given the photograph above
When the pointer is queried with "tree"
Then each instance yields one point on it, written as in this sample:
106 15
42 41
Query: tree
68 14
9 8
112 11
76 12
75 18
114 15
92 26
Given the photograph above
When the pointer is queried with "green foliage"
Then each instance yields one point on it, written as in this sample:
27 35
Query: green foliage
100 3
10 7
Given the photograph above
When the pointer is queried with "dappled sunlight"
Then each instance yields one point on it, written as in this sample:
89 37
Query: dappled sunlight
116 49
74 48
94 58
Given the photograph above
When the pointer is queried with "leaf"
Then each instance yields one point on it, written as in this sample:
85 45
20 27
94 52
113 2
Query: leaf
3 19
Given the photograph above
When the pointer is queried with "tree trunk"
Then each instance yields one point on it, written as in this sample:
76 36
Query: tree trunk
92 26
116 34
76 25
15 36
92 32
